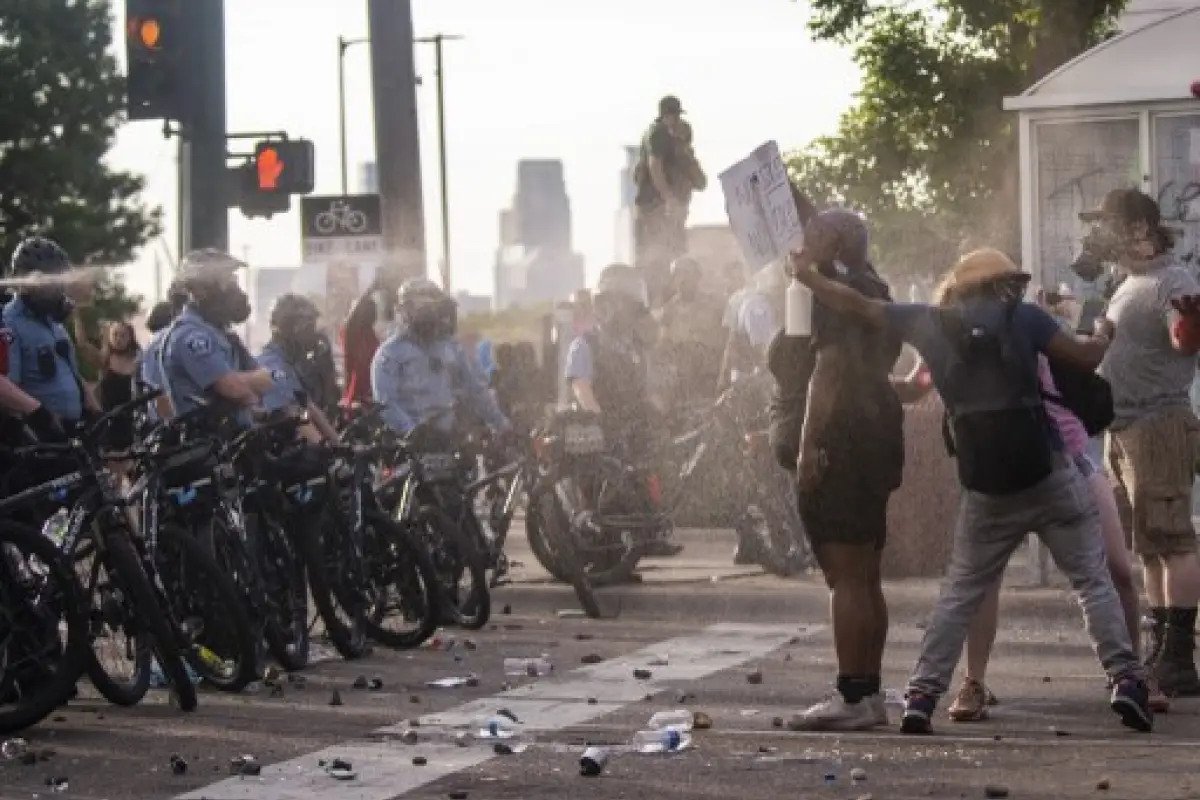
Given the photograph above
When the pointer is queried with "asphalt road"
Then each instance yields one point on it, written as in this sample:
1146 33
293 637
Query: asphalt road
701 630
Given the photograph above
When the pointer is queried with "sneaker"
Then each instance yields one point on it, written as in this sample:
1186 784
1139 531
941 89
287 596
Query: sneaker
835 714
1131 702
878 704
971 704
1159 703
918 714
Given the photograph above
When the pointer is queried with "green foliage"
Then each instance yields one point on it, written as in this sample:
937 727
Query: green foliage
927 151
61 100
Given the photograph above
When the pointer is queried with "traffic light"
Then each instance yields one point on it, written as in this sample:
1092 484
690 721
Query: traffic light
284 167
252 202
154 46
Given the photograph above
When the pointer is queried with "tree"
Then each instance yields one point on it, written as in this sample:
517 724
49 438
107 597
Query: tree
61 101
927 152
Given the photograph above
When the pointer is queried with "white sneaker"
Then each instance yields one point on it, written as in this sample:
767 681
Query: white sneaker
878 704
835 714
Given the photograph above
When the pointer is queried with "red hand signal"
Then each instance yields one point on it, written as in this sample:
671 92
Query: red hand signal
270 167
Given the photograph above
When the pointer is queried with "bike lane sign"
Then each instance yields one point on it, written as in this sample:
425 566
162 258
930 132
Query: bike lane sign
341 228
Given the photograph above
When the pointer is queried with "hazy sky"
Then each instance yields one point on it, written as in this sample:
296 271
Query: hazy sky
569 79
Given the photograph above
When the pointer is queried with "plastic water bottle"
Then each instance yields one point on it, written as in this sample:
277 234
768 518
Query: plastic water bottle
55 528
497 726
680 719
530 667
13 748
667 740
798 310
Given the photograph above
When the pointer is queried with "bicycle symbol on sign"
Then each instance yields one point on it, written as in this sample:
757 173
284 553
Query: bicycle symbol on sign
340 215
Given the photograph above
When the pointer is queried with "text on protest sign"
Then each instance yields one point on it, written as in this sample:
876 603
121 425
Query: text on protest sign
762 212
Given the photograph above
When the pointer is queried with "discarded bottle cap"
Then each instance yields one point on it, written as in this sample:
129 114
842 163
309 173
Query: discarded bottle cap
593 761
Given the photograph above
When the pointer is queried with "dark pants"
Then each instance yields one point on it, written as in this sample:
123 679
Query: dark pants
658 239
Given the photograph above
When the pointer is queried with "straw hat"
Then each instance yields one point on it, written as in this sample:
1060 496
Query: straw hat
978 268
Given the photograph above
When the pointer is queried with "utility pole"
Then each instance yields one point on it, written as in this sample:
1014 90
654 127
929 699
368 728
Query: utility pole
437 40
203 188
397 136
343 45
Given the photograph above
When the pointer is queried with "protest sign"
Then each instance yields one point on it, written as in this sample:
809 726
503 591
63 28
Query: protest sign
762 212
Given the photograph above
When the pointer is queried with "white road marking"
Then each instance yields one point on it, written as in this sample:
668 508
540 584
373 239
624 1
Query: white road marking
385 769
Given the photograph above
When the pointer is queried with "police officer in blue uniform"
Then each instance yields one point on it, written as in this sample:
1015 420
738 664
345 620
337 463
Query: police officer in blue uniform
202 359
41 356
294 341
420 370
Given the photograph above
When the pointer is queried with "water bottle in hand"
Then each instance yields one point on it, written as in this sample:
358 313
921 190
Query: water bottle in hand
667 740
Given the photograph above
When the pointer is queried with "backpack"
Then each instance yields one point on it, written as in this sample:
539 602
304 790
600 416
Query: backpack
1085 394
996 425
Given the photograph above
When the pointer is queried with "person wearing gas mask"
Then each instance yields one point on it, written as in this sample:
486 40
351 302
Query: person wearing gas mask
420 371
201 358
1152 443
41 356
294 338
158 321
608 370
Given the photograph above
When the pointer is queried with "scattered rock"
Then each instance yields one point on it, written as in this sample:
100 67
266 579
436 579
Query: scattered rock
178 765
507 609
642 674
501 749
584 637
462 739
276 691
777 722
701 721
469 644
360 682
1103 785
29 758
997 737
1060 732
245 765
858 774
472 681
591 701
787 656
294 677
922 626
591 658
995 792
755 677
649 698
375 684
58 783
59 718
335 699
1045 679
420 761
409 736
414 698
457 794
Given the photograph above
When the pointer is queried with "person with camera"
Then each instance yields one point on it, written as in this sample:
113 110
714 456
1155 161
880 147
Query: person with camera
1152 444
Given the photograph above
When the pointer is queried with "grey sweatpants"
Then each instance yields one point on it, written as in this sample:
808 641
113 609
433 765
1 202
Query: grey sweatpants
1061 511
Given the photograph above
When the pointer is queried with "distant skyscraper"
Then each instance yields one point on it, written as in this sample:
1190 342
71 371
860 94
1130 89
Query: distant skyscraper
535 263
623 246
368 178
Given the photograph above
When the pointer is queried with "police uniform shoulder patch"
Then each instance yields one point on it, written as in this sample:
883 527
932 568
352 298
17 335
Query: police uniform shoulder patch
199 344
278 375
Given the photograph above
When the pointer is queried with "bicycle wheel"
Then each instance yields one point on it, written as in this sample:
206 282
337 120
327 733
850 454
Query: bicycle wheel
335 579
455 556
546 523
142 603
119 658
220 639
403 582
285 581
38 592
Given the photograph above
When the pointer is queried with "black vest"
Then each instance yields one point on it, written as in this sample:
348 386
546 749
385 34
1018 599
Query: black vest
619 380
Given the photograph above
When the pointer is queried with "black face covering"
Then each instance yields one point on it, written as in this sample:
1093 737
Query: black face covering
226 307
51 304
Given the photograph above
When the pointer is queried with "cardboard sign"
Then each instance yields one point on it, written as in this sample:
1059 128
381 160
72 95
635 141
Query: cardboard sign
762 212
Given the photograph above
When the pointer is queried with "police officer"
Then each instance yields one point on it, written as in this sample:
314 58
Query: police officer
294 337
753 316
201 357
608 369
158 321
691 329
420 370
41 356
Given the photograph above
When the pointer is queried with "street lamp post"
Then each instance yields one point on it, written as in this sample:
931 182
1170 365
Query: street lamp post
343 45
436 40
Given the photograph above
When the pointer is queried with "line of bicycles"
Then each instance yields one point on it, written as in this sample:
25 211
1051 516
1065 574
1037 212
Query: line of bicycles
210 547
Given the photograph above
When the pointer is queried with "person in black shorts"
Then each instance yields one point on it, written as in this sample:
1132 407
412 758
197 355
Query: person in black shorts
838 421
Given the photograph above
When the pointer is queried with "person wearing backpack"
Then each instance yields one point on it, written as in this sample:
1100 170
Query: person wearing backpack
981 349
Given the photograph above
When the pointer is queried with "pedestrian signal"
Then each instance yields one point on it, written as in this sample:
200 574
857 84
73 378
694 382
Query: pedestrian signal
284 167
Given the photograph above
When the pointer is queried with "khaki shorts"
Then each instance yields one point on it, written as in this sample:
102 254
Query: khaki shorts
1152 464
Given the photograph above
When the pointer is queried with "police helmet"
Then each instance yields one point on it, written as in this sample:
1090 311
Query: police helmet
622 283
160 316
686 268
206 266
422 302
292 311
38 254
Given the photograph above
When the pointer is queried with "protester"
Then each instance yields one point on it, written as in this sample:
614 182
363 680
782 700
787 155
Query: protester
1152 445
366 327
981 345
839 425
120 355
665 177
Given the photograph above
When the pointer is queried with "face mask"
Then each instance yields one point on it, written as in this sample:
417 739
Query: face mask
54 305
226 307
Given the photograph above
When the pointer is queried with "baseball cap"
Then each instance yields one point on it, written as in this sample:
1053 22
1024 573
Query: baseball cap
670 106
1126 205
